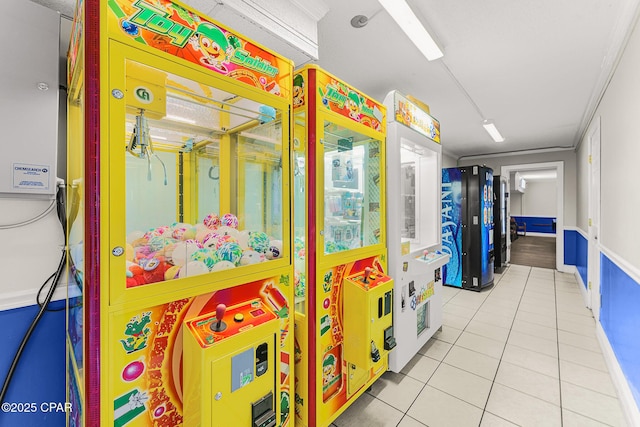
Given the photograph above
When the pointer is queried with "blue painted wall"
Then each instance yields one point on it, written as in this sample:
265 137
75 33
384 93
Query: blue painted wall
582 254
620 319
576 253
538 224
40 375
570 247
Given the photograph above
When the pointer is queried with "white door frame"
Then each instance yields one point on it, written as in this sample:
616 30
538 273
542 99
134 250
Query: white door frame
559 168
593 244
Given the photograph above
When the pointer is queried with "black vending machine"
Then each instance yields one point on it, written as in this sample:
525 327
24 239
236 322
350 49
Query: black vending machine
500 223
467 226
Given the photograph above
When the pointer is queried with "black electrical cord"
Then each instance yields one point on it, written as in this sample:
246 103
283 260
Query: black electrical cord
61 210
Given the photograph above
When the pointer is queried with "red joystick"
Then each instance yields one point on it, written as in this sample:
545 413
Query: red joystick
426 251
219 326
367 273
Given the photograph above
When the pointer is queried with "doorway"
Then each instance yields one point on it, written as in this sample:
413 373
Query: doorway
593 254
558 169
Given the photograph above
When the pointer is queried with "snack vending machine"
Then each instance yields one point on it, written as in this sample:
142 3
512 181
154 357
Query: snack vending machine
343 296
467 226
414 158
179 221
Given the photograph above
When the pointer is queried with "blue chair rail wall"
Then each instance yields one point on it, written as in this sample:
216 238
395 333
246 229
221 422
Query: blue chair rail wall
537 224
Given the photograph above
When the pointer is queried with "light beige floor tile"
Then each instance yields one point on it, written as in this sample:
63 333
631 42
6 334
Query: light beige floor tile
435 349
522 409
487 330
369 411
454 321
532 360
529 382
507 293
435 408
481 344
469 299
581 341
461 384
590 359
538 319
535 330
589 378
458 310
492 308
397 390
493 319
534 308
497 300
573 308
540 345
448 334
591 404
407 421
448 293
420 367
472 361
571 419
490 420
586 320
586 328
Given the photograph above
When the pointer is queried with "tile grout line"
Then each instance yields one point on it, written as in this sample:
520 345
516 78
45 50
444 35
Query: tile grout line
484 410
555 291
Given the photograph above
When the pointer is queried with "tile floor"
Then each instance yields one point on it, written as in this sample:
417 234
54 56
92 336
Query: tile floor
522 353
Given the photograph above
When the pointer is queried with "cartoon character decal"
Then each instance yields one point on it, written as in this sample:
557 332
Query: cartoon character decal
328 370
353 105
216 48
298 90
137 332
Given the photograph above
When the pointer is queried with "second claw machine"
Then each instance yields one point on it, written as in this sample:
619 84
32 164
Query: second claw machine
343 296
180 228
414 158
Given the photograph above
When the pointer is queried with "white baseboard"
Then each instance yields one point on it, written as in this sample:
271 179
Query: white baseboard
533 233
625 396
583 289
26 298
571 269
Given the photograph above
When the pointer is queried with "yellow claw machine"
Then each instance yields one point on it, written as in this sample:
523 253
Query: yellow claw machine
343 298
179 221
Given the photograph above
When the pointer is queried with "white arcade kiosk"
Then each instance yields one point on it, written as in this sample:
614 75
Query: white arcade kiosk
414 163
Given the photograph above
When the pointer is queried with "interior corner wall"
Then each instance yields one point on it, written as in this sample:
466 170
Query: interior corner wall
448 161
567 156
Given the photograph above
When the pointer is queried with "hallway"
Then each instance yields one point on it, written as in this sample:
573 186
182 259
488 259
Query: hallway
523 352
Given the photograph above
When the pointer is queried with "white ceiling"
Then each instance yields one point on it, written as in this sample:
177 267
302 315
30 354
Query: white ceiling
537 68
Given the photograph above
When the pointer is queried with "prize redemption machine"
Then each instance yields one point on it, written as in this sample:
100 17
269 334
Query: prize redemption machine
343 297
467 226
414 158
179 221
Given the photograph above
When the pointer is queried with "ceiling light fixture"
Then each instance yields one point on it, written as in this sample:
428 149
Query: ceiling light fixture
492 130
413 28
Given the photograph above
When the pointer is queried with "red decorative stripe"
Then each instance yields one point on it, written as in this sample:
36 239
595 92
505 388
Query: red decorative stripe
92 212
311 246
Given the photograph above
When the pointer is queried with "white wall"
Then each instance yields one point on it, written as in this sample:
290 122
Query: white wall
567 156
619 112
539 199
30 253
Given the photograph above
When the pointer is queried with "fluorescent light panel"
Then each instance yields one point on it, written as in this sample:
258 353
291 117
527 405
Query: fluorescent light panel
413 28
493 131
